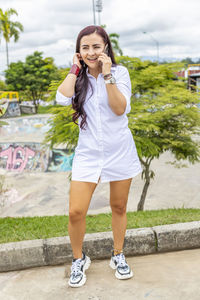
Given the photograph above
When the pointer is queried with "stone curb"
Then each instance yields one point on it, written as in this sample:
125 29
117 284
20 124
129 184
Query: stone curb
141 241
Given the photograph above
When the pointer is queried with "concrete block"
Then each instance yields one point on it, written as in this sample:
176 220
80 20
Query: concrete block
178 236
139 241
21 255
98 245
27 109
57 250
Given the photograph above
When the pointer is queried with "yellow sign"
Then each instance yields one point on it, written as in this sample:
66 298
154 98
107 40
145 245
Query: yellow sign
9 95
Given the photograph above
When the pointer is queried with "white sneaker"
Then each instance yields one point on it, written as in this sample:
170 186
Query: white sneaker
119 263
78 277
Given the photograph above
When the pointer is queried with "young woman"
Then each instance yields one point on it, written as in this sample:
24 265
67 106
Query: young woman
99 91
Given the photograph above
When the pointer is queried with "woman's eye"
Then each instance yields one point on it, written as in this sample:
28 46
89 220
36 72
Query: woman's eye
96 47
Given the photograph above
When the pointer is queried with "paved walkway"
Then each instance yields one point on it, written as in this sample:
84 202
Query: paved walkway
166 276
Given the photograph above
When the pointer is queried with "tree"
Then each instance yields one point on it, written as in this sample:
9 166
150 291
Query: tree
32 76
2 85
164 116
62 129
9 28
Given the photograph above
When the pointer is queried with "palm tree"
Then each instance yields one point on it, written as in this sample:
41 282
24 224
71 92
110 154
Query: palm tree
9 28
115 44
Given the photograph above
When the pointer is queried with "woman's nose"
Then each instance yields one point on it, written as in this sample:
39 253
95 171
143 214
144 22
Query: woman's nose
91 51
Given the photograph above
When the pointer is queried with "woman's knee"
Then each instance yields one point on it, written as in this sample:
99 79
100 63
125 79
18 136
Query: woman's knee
119 209
76 215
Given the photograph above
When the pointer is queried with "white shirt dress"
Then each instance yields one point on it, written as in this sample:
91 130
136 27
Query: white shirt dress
106 149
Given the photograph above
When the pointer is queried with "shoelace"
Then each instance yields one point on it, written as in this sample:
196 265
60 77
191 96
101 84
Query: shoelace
76 265
121 260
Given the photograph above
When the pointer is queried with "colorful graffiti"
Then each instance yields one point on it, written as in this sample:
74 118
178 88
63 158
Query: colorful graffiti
23 157
10 109
29 157
60 161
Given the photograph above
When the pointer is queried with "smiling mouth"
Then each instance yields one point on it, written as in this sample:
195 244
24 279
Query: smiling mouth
93 59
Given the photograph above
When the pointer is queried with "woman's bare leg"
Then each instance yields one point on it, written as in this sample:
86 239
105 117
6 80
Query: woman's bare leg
119 191
80 196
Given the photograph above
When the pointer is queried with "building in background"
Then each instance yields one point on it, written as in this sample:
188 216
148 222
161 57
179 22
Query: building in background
192 74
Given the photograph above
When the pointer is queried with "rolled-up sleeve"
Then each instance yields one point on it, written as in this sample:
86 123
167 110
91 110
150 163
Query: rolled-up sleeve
63 100
123 83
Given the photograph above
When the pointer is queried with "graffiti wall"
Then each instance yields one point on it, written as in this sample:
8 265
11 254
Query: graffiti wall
26 157
10 109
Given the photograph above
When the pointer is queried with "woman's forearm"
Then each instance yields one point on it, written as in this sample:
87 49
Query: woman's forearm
117 101
68 85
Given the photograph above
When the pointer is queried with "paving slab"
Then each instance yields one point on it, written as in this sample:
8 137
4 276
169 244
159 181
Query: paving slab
164 276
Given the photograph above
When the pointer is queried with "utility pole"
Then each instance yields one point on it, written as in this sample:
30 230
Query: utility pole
94 12
99 8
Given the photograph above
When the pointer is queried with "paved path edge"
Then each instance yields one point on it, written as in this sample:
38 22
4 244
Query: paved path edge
141 241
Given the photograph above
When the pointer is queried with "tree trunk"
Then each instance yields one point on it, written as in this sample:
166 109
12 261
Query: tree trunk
143 196
7 53
140 205
34 101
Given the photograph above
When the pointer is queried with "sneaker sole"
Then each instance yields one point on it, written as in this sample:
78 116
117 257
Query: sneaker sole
117 275
85 267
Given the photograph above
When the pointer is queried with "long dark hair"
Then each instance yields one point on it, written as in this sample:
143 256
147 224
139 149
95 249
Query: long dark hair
82 82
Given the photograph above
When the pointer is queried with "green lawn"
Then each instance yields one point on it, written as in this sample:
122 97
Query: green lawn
29 228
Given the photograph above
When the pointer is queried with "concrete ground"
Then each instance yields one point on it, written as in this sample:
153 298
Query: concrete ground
40 194
164 276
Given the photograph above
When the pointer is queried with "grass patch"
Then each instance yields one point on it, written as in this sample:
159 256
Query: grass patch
30 228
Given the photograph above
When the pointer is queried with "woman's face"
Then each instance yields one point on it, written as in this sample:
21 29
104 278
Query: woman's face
91 46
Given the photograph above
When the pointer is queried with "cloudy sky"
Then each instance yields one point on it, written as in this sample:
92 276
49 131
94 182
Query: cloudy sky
52 26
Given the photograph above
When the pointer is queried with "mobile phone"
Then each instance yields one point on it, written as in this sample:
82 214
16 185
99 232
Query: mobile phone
106 52
106 49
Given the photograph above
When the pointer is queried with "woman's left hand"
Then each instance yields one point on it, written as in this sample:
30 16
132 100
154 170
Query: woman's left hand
106 63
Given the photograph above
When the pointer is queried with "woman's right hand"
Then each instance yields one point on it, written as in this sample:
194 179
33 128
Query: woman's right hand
76 59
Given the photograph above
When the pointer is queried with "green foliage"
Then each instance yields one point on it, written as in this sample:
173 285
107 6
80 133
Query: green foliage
164 115
33 76
61 74
15 76
62 129
3 86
